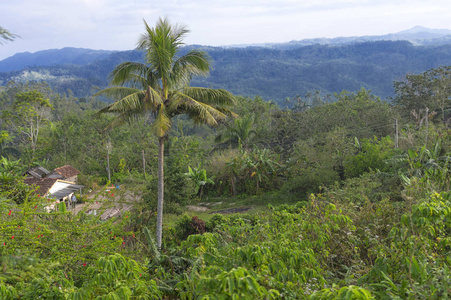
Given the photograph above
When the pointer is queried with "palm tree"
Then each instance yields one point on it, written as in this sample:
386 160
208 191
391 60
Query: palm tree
161 87
6 35
240 131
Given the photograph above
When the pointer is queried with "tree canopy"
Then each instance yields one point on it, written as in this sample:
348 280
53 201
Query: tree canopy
161 87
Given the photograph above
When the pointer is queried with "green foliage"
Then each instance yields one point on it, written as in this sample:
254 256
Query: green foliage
236 284
379 227
429 89
28 113
360 114
239 131
215 222
370 155
12 184
346 292
311 180
253 170
199 176
46 287
187 226
7 292
275 74
429 166
116 277
6 35
5 148
432 216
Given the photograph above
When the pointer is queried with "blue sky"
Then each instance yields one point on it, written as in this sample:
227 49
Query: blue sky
117 24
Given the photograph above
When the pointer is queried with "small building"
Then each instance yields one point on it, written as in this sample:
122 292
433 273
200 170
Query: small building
37 172
43 185
66 172
55 189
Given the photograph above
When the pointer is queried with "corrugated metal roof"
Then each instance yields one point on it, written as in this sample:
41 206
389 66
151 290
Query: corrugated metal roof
38 172
65 190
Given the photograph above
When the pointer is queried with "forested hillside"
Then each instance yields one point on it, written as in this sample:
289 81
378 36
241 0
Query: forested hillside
185 192
270 73
76 56
338 201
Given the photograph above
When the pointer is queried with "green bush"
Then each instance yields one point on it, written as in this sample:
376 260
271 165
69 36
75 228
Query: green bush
311 180
371 155
187 226
116 277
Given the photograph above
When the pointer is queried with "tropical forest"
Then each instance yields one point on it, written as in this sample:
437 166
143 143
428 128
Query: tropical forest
188 191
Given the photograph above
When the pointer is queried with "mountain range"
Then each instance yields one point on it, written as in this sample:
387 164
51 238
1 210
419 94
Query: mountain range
418 36
273 71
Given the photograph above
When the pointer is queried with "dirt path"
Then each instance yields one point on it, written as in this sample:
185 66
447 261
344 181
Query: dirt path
205 208
232 210
109 203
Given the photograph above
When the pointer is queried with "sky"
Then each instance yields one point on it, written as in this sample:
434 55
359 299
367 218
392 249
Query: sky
117 24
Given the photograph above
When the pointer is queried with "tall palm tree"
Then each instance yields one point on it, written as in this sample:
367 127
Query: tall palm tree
161 87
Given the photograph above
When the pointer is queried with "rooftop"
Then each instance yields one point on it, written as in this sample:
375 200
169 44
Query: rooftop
66 171
43 184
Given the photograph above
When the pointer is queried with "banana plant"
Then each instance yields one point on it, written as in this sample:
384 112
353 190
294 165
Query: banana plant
200 178
427 165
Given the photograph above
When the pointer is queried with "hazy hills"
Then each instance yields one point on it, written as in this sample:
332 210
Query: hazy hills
273 71
418 35
77 56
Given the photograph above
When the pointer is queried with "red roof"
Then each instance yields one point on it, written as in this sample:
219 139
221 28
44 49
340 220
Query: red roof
43 184
67 171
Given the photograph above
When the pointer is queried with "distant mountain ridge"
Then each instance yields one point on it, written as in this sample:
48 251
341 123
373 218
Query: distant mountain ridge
421 29
418 35
68 55
274 73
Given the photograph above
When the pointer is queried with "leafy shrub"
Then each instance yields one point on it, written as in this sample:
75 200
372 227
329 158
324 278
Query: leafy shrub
347 292
234 284
311 180
116 277
7 292
215 222
371 155
186 227
373 187
46 287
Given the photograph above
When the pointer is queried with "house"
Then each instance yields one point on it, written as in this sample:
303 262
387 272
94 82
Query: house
59 185
66 172
55 189
43 185
37 172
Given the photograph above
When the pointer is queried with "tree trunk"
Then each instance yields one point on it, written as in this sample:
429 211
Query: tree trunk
233 185
160 191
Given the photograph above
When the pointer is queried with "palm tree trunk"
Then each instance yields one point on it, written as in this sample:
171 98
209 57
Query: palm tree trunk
160 191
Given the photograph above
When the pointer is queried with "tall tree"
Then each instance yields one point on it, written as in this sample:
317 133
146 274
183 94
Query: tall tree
161 87
431 89
29 111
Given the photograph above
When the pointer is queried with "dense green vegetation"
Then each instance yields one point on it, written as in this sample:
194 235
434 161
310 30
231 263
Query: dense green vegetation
274 74
337 205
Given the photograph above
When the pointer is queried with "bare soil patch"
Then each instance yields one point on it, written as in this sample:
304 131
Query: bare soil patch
231 210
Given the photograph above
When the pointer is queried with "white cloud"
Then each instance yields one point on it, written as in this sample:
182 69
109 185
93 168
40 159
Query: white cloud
117 24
